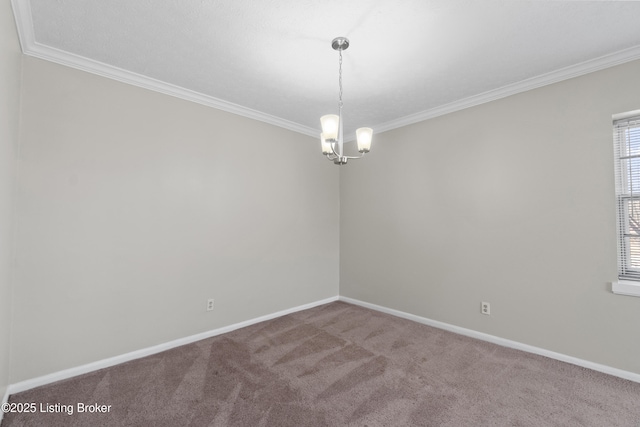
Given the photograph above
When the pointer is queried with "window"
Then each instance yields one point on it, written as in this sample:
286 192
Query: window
626 136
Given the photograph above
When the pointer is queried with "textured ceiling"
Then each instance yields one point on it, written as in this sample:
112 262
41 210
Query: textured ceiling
272 59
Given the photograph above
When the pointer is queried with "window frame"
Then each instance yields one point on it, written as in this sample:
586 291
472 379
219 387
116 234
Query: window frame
627 172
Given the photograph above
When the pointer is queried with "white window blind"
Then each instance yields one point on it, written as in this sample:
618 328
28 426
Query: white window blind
626 136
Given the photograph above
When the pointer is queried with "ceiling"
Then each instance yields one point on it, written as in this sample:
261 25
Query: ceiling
272 60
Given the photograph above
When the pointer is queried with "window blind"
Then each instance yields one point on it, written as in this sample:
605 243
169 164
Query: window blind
626 137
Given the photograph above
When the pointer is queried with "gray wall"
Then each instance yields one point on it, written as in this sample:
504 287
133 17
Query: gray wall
135 207
10 68
510 202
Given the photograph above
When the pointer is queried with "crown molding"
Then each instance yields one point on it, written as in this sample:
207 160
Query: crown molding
597 64
24 23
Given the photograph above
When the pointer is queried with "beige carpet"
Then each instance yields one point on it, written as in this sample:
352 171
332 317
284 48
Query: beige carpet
338 365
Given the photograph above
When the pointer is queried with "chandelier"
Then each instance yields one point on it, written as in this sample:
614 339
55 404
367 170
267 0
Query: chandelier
331 138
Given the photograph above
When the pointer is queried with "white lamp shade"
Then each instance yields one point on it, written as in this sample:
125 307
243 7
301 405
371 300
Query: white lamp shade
330 124
363 138
326 146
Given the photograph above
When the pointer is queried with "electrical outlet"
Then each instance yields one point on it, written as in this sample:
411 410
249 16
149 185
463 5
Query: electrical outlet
485 308
210 304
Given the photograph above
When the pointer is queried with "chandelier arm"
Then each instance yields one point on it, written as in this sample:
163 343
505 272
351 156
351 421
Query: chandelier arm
354 157
335 153
332 156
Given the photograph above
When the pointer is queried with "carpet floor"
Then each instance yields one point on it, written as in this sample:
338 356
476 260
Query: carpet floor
336 365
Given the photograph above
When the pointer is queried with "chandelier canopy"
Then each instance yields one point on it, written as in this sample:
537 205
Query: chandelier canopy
331 138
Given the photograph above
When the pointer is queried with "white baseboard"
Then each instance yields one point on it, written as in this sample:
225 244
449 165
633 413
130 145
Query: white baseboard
5 399
500 341
111 361
105 363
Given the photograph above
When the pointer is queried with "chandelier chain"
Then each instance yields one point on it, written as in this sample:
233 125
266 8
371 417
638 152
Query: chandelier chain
340 79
